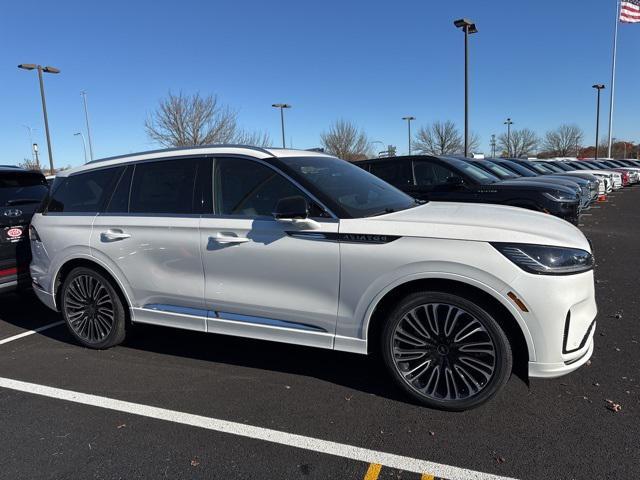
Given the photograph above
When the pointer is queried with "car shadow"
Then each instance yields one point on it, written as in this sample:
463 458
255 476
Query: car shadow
359 372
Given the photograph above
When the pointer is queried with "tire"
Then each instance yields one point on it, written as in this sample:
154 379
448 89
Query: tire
444 351
93 309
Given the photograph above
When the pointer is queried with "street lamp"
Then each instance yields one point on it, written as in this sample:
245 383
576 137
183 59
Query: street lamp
408 119
83 94
493 146
508 123
282 106
598 87
84 145
469 28
36 150
40 68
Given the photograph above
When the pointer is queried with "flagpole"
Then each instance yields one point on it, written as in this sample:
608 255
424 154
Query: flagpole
613 76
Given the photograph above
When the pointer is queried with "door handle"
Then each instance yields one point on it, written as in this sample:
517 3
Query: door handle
228 239
113 235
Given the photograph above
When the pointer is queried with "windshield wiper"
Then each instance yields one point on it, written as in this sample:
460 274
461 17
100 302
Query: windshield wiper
23 201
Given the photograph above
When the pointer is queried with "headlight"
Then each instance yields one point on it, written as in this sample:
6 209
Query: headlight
560 197
546 260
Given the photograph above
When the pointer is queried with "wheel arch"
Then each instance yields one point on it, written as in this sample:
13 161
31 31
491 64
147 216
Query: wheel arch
487 298
93 263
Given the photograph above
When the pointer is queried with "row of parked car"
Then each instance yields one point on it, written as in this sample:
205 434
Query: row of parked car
561 187
405 257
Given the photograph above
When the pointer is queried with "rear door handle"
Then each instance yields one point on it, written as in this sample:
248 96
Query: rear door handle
113 235
228 239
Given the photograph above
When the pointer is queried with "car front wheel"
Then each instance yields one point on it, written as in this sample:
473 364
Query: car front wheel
445 351
92 309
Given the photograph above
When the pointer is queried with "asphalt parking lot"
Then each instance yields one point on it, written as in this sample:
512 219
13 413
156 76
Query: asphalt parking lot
177 404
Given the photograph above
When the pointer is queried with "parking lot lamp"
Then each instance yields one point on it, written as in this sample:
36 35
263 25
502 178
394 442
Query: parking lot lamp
40 68
84 145
408 119
282 106
468 27
598 87
508 123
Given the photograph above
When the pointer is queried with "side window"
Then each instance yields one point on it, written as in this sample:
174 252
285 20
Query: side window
165 186
119 202
397 173
431 174
251 189
83 192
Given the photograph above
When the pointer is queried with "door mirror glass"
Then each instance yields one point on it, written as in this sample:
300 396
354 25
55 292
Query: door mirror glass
291 207
455 182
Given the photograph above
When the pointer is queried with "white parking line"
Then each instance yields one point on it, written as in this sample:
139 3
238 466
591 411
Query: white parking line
274 436
31 332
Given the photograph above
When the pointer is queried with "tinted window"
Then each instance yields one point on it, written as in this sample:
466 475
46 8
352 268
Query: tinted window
431 174
20 188
396 172
84 192
248 188
164 186
357 192
497 170
119 202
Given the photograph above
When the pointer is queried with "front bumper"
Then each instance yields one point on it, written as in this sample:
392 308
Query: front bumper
560 319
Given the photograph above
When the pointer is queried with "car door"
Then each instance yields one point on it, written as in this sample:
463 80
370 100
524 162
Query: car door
265 278
148 235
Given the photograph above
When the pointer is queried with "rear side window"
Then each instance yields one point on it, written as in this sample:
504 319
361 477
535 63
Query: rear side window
397 173
164 187
84 192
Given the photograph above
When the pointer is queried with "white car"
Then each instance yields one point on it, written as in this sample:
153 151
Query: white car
305 248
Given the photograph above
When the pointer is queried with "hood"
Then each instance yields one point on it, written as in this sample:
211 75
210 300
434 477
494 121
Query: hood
530 184
472 221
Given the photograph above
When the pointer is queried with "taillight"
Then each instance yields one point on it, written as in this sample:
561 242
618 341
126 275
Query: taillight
33 234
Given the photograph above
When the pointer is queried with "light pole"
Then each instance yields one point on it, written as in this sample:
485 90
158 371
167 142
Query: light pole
282 106
30 129
508 123
469 28
84 145
408 119
40 68
598 87
36 150
493 146
83 94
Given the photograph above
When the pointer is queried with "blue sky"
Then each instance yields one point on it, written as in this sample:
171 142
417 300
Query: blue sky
371 62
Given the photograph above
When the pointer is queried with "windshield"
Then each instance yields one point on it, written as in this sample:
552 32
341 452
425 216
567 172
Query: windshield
497 170
553 168
357 192
564 167
541 169
21 188
477 173
525 172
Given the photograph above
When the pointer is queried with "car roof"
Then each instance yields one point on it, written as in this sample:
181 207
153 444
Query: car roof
255 152
11 168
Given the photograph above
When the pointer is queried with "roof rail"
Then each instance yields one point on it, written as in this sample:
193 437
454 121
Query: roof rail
178 149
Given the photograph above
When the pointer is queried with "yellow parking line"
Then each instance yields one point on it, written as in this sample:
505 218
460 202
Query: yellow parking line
373 471
427 476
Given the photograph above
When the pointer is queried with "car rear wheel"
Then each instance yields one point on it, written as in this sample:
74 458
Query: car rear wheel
92 309
445 351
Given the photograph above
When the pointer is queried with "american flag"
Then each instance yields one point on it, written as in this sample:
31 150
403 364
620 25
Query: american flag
630 11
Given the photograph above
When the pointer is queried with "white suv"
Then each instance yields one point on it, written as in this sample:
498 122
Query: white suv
305 248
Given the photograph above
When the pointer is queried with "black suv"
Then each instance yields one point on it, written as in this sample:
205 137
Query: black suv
21 193
442 178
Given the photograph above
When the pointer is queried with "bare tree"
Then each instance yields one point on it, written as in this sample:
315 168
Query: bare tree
189 120
523 143
345 140
443 138
563 141
29 164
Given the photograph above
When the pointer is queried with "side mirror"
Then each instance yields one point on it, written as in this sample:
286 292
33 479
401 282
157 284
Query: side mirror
455 182
291 208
